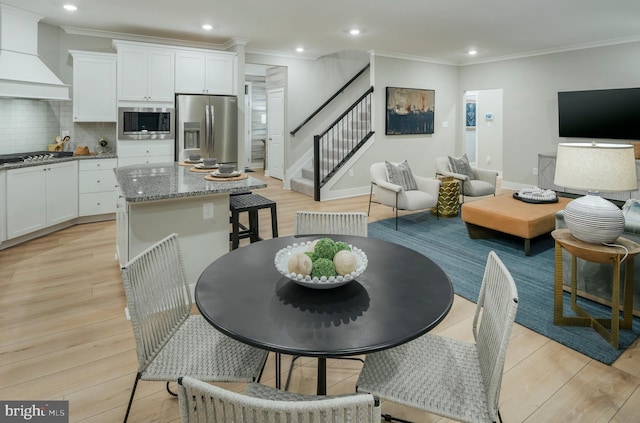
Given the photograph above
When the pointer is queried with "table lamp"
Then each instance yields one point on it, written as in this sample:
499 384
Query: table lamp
595 168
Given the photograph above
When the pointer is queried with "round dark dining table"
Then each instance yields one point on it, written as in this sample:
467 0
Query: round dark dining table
401 295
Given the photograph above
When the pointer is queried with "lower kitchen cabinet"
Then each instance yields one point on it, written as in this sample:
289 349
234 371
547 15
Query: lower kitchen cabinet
96 187
41 196
3 209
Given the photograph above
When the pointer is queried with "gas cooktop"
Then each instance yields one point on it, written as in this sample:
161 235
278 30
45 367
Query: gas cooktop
32 156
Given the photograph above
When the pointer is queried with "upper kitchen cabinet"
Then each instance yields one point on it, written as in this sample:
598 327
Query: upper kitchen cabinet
145 72
205 72
94 86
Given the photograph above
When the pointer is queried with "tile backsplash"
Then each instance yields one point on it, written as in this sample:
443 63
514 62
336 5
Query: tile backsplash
29 125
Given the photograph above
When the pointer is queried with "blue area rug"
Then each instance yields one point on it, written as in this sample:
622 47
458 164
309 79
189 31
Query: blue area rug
447 243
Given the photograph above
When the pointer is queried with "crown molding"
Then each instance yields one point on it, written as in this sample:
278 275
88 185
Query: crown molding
564 49
402 56
283 54
140 38
301 56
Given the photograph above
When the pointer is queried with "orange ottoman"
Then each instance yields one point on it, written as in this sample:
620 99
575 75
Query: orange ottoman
505 214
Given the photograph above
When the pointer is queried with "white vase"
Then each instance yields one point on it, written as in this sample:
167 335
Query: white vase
593 219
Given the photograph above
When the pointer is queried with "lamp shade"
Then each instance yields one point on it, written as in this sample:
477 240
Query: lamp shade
596 167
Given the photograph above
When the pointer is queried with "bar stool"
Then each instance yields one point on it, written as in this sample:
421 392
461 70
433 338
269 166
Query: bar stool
250 203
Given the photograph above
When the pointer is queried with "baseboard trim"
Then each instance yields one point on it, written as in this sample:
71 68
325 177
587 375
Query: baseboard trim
55 228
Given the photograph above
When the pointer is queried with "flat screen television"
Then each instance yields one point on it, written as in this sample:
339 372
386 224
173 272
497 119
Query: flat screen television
613 114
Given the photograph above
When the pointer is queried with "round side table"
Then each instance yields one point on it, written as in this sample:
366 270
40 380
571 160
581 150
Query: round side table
607 328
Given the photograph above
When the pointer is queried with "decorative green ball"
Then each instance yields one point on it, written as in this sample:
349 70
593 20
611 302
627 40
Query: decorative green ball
340 245
311 255
323 267
325 248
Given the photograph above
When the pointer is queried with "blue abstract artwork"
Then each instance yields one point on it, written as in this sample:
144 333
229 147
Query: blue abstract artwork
409 111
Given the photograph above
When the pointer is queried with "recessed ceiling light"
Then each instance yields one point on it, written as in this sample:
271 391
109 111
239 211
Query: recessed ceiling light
473 52
354 31
207 27
70 7
300 49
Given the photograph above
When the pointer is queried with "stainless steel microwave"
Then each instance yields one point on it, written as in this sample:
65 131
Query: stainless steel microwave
144 123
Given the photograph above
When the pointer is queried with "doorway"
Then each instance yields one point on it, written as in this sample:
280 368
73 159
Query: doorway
256 118
275 133
483 130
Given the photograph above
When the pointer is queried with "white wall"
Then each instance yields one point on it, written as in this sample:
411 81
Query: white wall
419 150
530 86
489 132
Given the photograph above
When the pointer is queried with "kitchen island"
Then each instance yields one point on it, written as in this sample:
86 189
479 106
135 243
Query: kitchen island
155 200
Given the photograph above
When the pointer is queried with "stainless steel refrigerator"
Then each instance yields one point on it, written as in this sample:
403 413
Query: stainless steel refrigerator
207 125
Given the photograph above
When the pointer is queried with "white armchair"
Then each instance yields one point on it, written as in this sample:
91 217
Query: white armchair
483 182
395 196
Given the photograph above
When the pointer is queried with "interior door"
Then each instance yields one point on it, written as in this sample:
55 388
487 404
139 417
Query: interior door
275 133
247 124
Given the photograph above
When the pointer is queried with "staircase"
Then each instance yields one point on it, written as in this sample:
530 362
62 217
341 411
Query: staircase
304 184
335 146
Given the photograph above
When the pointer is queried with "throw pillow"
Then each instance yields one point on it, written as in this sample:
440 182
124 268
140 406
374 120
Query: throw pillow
461 165
400 174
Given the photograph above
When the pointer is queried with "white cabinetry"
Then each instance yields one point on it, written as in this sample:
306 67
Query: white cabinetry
145 73
199 72
96 187
147 151
41 196
94 86
3 209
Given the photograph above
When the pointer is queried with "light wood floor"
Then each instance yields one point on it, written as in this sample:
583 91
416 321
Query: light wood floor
64 336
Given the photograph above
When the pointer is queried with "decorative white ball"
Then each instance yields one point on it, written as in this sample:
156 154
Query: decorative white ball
300 264
345 262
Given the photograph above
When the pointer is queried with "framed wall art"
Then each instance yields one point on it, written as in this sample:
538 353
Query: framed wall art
409 111
471 115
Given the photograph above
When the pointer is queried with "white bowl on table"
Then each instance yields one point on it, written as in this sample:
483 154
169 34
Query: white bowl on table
282 265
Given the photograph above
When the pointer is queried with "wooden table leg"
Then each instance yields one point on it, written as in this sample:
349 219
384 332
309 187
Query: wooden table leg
627 307
557 287
615 305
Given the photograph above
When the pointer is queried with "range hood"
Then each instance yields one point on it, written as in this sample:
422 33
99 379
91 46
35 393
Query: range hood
22 73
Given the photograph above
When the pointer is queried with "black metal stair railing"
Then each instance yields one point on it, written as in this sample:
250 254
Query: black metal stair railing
340 141
326 103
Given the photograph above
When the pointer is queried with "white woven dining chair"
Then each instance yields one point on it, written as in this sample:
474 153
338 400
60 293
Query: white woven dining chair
201 402
448 377
170 341
337 223
327 223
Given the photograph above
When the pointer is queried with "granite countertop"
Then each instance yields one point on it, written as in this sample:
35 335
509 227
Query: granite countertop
18 165
164 181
